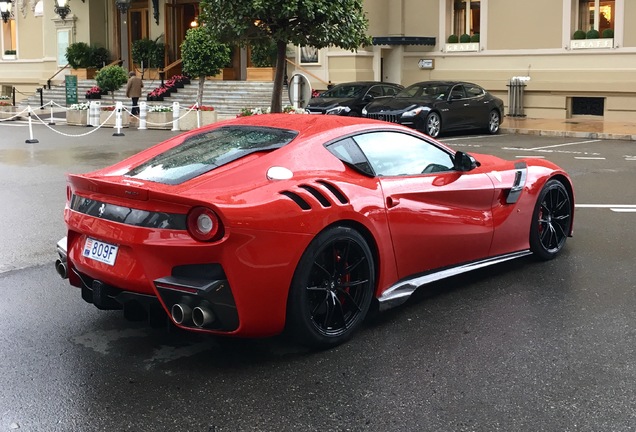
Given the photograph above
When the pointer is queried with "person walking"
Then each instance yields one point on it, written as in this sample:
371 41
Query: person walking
133 91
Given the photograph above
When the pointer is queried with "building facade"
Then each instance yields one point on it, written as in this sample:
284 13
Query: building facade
576 57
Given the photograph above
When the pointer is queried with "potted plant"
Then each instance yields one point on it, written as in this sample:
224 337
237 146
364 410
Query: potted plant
592 34
148 55
94 93
263 58
474 38
204 113
159 117
465 38
607 34
77 114
453 38
578 35
78 55
9 54
203 55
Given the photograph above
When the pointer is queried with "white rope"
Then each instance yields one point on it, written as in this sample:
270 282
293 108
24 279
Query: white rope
79 135
161 124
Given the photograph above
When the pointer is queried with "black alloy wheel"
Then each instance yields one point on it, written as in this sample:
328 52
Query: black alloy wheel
433 125
551 220
332 288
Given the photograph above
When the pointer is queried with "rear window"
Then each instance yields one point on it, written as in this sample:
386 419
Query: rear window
209 150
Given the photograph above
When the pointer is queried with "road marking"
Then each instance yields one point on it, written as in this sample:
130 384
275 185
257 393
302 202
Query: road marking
617 208
532 157
472 137
565 144
589 158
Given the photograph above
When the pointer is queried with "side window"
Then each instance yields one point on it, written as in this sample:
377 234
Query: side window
375 91
390 91
349 153
399 154
458 92
474 91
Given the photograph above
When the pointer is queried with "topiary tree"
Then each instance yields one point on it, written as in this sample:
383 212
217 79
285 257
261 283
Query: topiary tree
203 55
99 57
453 38
475 37
607 34
578 35
592 34
148 52
111 78
312 23
465 38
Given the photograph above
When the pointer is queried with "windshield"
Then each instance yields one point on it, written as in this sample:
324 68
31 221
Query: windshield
435 91
209 150
344 91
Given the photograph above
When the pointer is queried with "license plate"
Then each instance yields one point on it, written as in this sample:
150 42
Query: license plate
100 251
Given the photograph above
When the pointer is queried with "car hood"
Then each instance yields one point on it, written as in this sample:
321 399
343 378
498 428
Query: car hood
329 102
393 104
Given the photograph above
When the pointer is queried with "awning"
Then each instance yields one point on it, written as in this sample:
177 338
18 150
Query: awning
404 40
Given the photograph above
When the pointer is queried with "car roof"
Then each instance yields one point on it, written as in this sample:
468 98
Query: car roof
441 83
367 83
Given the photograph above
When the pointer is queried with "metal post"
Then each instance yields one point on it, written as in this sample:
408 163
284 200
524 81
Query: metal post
175 116
198 116
39 90
51 122
13 96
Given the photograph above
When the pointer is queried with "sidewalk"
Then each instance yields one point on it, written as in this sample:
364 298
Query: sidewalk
576 127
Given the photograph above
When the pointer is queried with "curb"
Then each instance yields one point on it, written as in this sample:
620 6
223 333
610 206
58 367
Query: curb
571 134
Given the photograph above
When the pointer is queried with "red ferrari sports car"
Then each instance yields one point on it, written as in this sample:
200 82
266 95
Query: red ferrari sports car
261 224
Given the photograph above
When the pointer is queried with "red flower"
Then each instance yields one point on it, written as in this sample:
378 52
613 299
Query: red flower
202 107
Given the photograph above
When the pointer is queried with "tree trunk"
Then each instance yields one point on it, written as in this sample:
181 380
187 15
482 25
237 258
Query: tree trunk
281 64
200 90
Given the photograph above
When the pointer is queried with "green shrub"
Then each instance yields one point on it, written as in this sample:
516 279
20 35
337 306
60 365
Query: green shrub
592 34
465 38
453 38
78 55
148 52
578 35
100 57
475 37
608 34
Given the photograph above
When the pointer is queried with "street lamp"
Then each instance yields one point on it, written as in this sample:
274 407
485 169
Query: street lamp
5 9
62 8
123 5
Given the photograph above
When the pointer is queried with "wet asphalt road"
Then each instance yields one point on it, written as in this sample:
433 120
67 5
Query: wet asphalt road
524 346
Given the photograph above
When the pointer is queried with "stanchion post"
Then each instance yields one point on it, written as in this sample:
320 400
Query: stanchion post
92 105
31 140
198 115
143 109
175 116
51 122
118 109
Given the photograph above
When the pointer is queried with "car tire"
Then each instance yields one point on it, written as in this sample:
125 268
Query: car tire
332 288
433 125
551 221
494 122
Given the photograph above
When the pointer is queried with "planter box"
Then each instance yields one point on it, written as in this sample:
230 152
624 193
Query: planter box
77 117
189 121
260 74
159 120
7 112
87 73
462 47
103 115
591 43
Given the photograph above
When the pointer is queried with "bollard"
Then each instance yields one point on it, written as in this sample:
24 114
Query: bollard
118 109
31 140
198 115
93 113
143 109
175 116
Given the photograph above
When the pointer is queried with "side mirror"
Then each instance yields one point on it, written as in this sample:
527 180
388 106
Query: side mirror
464 162
368 97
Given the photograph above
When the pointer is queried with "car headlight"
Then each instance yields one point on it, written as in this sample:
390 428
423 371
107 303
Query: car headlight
339 110
364 111
413 112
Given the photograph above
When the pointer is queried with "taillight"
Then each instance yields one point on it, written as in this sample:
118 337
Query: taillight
204 224
69 193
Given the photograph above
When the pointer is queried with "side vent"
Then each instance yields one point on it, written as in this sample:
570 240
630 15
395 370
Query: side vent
297 199
316 194
335 191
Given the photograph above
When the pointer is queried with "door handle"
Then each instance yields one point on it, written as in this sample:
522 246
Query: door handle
392 202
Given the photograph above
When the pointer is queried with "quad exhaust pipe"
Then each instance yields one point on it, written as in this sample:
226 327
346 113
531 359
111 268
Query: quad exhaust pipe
61 269
183 314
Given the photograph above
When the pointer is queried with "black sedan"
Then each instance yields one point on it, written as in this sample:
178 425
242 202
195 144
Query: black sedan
349 98
434 107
